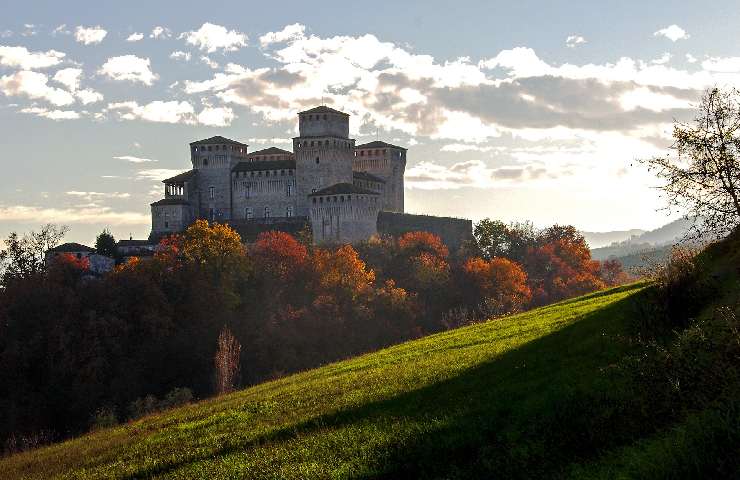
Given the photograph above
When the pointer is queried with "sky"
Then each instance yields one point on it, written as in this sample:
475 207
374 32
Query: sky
511 110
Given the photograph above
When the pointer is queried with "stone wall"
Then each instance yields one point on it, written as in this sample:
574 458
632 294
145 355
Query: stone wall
452 231
272 190
336 221
171 217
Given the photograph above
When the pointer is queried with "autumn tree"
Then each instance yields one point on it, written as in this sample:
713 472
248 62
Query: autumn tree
561 269
612 273
279 256
499 285
702 176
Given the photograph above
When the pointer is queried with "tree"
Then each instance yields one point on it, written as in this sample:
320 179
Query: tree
499 284
702 178
226 361
105 244
24 256
494 238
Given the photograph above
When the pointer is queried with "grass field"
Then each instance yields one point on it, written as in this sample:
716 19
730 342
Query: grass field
451 405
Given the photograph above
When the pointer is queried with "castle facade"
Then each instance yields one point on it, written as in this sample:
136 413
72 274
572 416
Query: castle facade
327 181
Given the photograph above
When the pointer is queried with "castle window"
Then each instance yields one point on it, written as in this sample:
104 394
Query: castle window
313 190
212 192
324 116
209 148
362 153
341 199
335 199
248 213
326 142
312 143
321 199
314 199
289 190
267 212
211 214
310 117
289 211
282 173
166 224
290 173
247 191
317 160
205 162
217 148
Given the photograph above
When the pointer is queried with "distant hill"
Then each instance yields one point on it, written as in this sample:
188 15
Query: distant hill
645 242
602 239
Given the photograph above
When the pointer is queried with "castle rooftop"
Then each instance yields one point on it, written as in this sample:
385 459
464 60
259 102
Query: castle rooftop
71 247
323 109
343 189
170 201
378 144
218 139
270 151
180 177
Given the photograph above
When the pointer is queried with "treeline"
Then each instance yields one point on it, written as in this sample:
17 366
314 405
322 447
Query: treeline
78 350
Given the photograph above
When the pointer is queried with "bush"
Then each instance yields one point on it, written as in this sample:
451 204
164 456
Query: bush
104 417
148 405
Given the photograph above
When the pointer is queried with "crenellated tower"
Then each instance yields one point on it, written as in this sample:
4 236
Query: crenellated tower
388 162
323 152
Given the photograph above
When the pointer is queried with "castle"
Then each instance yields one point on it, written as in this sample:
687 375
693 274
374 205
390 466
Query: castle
338 188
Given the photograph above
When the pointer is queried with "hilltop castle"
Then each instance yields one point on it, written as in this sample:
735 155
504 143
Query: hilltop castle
345 192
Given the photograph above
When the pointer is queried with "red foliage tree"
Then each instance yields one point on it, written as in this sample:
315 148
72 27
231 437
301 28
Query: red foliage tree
562 268
279 255
612 273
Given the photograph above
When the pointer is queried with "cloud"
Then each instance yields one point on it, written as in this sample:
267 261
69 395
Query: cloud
92 196
663 60
35 86
672 33
160 32
90 35
157 111
463 147
574 40
52 114
135 37
22 58
216 117
472 173
69 77
722 65
30 30
156 174
61 30
129 67
210 38
84 215
132 159
88 96
209 62
290 32
690 58
180 55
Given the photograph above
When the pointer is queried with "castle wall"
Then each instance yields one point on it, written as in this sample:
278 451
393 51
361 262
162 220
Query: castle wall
272 190
343 218
168 219
453 231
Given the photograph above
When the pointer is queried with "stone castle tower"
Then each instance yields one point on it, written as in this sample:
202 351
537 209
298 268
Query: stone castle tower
327 182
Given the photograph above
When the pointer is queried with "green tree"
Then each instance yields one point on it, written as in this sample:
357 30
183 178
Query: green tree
105 244
23 256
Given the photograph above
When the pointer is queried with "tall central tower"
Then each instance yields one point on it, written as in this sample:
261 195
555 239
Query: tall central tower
323 152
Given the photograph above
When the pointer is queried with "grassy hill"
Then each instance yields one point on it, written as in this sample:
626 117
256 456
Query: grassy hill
525 396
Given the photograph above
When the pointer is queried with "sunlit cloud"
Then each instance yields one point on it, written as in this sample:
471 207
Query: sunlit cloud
90 35
211 38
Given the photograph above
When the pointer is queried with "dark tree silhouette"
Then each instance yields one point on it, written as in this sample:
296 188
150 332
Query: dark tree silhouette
702 177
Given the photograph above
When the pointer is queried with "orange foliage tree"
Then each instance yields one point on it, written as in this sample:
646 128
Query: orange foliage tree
499 283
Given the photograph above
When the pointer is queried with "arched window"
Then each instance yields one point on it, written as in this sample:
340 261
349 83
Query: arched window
248 213
289 211
212 192
267 212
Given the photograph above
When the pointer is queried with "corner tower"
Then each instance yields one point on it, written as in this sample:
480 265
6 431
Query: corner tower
323 152
387 162
213 159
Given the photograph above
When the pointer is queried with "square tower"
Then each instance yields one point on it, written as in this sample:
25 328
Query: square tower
323 152
212 159
388 162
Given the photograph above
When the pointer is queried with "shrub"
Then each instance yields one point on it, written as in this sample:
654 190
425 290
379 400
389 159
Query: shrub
104 417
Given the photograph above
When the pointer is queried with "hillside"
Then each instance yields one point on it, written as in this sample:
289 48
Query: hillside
525 396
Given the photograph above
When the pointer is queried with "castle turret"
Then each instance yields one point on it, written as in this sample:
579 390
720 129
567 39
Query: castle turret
323 151
343 213
213 159
387 162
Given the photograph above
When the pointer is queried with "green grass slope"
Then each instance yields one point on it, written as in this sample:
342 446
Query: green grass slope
471 402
